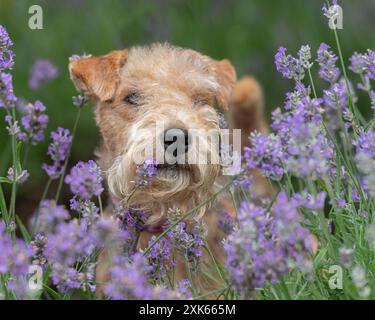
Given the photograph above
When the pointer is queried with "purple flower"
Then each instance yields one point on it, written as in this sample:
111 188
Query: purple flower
87 209
189 241
13 127
15 255
288 66
85 180
358 63
265 247
160 258
57 150
365 157
132 222
309 152
34 122
266 154
106 232
309 201
327 63
38 245
226 223
300 146
41 72
76 57
145 173
6 53
18 177
7 97
335 97
184 288
294 97
67 279
129 281
68 244
366 143
331 11
75 243
79 100
363 63
49 216
304 55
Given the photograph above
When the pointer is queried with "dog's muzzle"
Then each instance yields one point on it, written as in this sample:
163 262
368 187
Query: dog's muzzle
176 141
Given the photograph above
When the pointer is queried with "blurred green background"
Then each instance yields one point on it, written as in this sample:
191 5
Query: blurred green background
248 32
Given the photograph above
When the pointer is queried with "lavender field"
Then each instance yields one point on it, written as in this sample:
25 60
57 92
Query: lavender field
314 239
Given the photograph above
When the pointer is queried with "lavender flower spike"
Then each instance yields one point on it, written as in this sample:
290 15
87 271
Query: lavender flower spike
57 150
85 179
327 63
7 97
6 53
144 173
34 122
41 72
288 66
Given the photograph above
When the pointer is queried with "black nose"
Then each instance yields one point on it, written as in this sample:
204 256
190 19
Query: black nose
177 136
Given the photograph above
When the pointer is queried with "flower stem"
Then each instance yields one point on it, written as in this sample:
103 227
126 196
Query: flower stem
312 83
61 181
100 205
354 110
12 206
3 206
187 214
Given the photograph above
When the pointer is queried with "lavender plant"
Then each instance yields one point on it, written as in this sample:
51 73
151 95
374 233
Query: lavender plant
320 157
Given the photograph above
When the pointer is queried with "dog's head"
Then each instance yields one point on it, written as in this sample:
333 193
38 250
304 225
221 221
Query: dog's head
152 99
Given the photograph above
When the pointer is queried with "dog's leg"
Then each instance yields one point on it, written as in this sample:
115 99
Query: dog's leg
246 113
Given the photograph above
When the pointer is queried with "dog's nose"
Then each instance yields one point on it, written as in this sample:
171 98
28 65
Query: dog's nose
178 136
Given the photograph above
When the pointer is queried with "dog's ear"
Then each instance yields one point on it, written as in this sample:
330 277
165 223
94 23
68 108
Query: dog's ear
226 77
98 77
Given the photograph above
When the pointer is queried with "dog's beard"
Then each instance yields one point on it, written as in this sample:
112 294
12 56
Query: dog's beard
174 185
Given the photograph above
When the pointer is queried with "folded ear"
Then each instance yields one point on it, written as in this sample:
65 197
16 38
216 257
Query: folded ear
226 77
98 77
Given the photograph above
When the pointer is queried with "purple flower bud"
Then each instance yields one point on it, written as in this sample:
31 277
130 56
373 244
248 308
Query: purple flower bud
34 122
327 63
85 180
57 150
7 97
145 173
41 72
6 53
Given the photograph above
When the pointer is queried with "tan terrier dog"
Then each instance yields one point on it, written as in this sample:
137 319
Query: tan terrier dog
133 90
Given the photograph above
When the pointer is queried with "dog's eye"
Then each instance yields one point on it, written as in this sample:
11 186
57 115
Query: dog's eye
132 98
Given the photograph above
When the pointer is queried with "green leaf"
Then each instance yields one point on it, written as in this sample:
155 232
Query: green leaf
319 257
3 205
25 234
5 180
18 157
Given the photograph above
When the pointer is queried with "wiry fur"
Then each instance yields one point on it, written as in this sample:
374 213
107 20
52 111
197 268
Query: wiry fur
177 87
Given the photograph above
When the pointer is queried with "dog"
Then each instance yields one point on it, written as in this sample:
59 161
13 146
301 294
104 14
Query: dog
133 89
